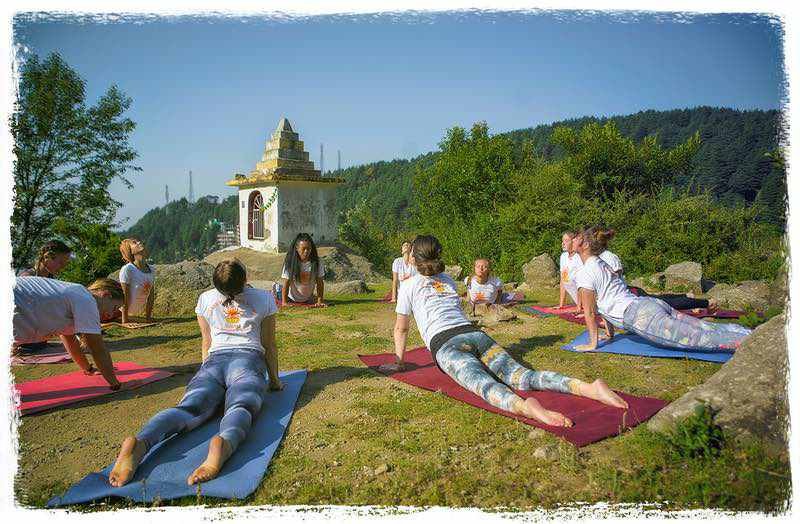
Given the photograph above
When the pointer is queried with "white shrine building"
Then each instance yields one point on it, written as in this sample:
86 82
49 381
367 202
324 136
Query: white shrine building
284 195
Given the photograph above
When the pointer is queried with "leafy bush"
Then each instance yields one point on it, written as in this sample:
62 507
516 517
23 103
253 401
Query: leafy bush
96 252
697 436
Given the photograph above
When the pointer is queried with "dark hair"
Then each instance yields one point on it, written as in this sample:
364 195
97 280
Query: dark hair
292 261
597 237
50 248
427 252
107 285
230 277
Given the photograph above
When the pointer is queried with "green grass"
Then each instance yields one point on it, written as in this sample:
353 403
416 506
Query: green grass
436 451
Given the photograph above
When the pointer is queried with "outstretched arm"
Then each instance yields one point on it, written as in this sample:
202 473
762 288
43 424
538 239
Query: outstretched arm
205 333
320 292
73 347
151 298
394 286
126 292
270 352
285 291
589 300
101 357
400 338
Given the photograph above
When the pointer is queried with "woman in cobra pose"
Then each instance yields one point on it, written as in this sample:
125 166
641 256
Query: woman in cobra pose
470 356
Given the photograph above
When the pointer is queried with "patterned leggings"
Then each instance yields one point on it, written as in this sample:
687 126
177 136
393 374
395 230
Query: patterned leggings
479 365
654 320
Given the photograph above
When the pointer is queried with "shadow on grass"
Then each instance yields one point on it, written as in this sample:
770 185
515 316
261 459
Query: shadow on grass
146 342
526 345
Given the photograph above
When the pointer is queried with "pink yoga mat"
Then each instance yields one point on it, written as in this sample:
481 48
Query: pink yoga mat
46 393
47 358
592 420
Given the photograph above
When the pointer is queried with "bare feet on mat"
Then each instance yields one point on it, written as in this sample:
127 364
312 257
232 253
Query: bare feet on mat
599 390
218 452
531 408
130 454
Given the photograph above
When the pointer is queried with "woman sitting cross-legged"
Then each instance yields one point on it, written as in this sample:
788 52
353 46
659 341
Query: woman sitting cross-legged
237 324
603 291
470 356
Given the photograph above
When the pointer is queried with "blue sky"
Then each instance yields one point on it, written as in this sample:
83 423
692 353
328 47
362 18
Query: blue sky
208 91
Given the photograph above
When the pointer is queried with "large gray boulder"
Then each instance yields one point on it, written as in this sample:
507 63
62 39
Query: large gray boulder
751 294
684 277
540 273
454 272
748 393
352 287
779 290
178 286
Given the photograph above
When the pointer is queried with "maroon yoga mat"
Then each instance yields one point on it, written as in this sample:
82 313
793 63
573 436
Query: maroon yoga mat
592 420
51 392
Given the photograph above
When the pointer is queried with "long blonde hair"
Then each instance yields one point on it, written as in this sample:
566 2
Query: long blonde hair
106 285
125 249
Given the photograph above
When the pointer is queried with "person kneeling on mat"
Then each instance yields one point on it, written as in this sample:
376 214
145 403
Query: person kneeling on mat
603 291
45 308
467 354
237 324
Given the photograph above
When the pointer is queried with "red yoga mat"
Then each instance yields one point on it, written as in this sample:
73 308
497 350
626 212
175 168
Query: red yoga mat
47 393
592 420
567 313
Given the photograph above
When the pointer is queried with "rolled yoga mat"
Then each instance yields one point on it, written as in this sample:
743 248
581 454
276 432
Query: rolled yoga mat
592 420
163 472
60 390
630 344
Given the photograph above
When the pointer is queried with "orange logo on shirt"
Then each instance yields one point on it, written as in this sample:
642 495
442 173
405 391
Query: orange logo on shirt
233 314
564 275
146 285
479 297
438 286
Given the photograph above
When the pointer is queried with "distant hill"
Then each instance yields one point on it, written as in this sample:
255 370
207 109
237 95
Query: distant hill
731 163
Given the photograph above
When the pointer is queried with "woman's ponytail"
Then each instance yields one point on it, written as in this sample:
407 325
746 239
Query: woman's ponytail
427 253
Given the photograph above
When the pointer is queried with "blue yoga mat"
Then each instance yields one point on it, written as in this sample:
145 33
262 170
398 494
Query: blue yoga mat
163 471
629 344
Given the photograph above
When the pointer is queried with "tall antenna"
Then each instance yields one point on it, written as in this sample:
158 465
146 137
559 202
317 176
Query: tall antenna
191 188
166 194
339 160
321 159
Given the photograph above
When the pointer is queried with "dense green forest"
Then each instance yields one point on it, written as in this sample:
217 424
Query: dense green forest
717 165
731 162
182 230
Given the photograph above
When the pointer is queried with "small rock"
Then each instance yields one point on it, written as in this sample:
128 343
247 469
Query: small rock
541 272
536 433
351 287
684 276
548 453
454 272
751 294
380 470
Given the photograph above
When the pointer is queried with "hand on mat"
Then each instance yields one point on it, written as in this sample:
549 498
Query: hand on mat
393 367
320 304
603 336
275 385
91 370
585 347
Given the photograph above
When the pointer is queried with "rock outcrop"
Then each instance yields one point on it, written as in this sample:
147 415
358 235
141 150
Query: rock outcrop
684 277
751 294
352 287
541 273
748 393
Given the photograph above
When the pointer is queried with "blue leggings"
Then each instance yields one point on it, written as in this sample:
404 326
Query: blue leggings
236 376
479 365
655 321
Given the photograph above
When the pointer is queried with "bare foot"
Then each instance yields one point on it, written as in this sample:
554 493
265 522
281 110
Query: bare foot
130 454
599 390
218 452
531 408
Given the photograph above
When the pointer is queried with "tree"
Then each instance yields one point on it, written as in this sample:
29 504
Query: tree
66 155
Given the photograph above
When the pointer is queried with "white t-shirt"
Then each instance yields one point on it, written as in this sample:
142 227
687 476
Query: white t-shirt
237 325
45 308
483 293
434 302
613 296
612 260
569 266
139 286
303 290
404 271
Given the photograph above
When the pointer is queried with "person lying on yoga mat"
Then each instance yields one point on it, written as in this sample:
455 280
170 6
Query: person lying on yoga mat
485 288
569 264
45 308
302 273
402 268
467 354
675 300
603 291
137 279
237 324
